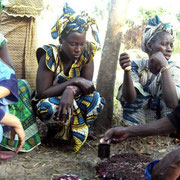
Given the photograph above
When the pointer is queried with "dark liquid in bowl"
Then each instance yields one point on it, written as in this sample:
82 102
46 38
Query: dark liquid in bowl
103 151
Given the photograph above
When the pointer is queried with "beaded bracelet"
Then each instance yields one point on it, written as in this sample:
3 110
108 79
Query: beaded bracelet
73 89
164 68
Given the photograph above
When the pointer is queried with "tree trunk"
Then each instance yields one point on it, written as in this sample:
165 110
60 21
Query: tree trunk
107 71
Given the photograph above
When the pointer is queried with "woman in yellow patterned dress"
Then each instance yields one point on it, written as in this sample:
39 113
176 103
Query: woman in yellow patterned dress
65 96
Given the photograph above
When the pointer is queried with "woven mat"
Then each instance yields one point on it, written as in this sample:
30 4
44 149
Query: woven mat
24 8
22 44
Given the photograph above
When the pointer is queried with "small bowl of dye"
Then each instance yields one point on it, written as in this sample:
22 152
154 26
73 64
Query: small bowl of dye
103 149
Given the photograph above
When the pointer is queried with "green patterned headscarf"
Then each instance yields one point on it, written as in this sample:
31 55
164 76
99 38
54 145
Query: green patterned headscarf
153 27
72 22
1 6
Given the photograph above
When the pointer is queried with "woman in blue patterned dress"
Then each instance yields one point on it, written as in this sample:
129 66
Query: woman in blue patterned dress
66 96
151 87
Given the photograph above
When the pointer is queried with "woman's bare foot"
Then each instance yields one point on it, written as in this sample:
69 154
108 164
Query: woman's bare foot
92 136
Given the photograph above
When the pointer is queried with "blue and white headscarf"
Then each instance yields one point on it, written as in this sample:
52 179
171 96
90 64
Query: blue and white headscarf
72 22
153 27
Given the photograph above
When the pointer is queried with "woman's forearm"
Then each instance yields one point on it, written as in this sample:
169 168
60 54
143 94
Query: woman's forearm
57 89
169 93
158 127
10 120
128 91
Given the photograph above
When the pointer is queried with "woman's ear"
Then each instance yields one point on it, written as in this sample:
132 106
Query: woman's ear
149 46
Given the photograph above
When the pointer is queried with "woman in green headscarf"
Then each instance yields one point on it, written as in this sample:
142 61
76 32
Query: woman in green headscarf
65 96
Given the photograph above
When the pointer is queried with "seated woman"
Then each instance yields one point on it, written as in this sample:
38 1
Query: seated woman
151 87
22 108
9 95
65 96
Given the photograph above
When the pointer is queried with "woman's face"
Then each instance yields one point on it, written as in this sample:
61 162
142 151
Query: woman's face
163 43
73 45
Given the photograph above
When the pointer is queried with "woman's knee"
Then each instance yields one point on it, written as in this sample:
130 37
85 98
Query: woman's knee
44 111
92 101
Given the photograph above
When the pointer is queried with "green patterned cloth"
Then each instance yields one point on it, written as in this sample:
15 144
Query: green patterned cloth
23 110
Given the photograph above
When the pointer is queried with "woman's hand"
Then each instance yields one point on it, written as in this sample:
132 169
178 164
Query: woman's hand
85 85
156 62
125 62
14 122
168 168
21 135
65 108
115 135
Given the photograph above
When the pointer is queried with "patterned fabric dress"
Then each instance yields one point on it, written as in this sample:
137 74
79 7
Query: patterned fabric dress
24 111
86 107
149 104
19 105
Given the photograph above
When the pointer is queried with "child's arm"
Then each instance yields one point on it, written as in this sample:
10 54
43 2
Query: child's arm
14 122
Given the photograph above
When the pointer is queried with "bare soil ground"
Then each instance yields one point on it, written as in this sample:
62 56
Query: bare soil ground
47 163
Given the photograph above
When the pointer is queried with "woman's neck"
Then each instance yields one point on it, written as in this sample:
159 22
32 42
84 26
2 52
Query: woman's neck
64 58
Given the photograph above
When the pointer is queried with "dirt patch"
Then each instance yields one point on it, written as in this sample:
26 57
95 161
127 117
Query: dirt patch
48 163
123 166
